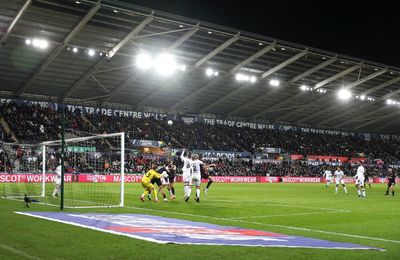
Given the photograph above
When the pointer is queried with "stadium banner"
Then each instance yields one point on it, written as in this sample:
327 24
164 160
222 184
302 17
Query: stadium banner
235 179
301 179
187 119
326 158
163 230
222 154
147 143
296 157
37 178
83 177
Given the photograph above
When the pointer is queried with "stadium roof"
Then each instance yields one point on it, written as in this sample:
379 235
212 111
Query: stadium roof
117 32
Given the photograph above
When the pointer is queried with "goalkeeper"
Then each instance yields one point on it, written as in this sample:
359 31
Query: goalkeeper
146 182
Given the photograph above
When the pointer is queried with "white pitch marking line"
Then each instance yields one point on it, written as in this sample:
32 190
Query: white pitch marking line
282 205
269 225
18 252
289 214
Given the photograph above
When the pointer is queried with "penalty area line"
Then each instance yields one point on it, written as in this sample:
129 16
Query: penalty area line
282 205
289 214
18 252
269 225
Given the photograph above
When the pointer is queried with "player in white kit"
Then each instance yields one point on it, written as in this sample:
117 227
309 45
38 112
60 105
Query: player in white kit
339 179
197 167
360 181
328 177
57 181
186 173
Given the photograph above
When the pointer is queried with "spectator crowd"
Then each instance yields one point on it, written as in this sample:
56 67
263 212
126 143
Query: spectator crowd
33 123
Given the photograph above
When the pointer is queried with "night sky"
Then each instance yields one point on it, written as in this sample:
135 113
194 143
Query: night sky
363 29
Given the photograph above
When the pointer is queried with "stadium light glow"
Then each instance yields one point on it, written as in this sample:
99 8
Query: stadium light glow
75 50
144 61
344 94
38 43
182 67
303 87
362 97
165 64
209 72
390 102
274 83
244 77
91 52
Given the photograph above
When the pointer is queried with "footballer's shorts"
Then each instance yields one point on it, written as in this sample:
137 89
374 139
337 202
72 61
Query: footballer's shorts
360 182
164 181
341 181
196 179
391 183
204 175
147 185
171 178
156 181
187 178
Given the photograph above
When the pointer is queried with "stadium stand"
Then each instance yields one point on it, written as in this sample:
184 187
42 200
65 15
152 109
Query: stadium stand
33 123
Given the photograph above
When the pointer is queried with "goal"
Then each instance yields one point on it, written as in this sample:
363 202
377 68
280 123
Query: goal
93 171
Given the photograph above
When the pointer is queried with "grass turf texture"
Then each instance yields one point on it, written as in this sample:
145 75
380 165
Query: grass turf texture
271 207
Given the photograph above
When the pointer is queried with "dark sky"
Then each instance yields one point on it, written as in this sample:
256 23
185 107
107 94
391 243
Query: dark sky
363 29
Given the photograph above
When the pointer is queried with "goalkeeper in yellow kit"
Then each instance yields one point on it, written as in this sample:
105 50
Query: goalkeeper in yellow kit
146 182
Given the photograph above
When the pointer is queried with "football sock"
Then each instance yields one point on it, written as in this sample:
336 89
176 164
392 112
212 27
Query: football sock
345 189
358 191
392 192
173 191
209 184
155 194
363 192
198 192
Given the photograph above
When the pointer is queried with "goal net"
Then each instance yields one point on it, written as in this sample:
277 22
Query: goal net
93 171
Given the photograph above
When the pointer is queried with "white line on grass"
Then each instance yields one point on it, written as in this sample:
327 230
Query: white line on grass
281 205
18 252
269 225
289 214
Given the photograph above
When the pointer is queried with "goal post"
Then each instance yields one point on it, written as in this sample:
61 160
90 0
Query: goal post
94 170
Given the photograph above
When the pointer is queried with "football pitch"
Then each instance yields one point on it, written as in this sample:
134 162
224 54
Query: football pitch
308 210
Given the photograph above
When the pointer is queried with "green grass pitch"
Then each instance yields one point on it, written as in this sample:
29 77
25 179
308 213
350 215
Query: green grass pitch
309 210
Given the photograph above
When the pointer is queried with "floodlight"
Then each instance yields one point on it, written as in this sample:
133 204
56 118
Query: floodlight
36 43
344 94
390 102
182 67
253 79
216 73
303 87
91 52
209 72
75 50
274 82
362 97
28 42
144 61
165 64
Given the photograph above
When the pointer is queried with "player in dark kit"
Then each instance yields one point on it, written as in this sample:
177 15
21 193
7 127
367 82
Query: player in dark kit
205 175
366 176
391 181
171 171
